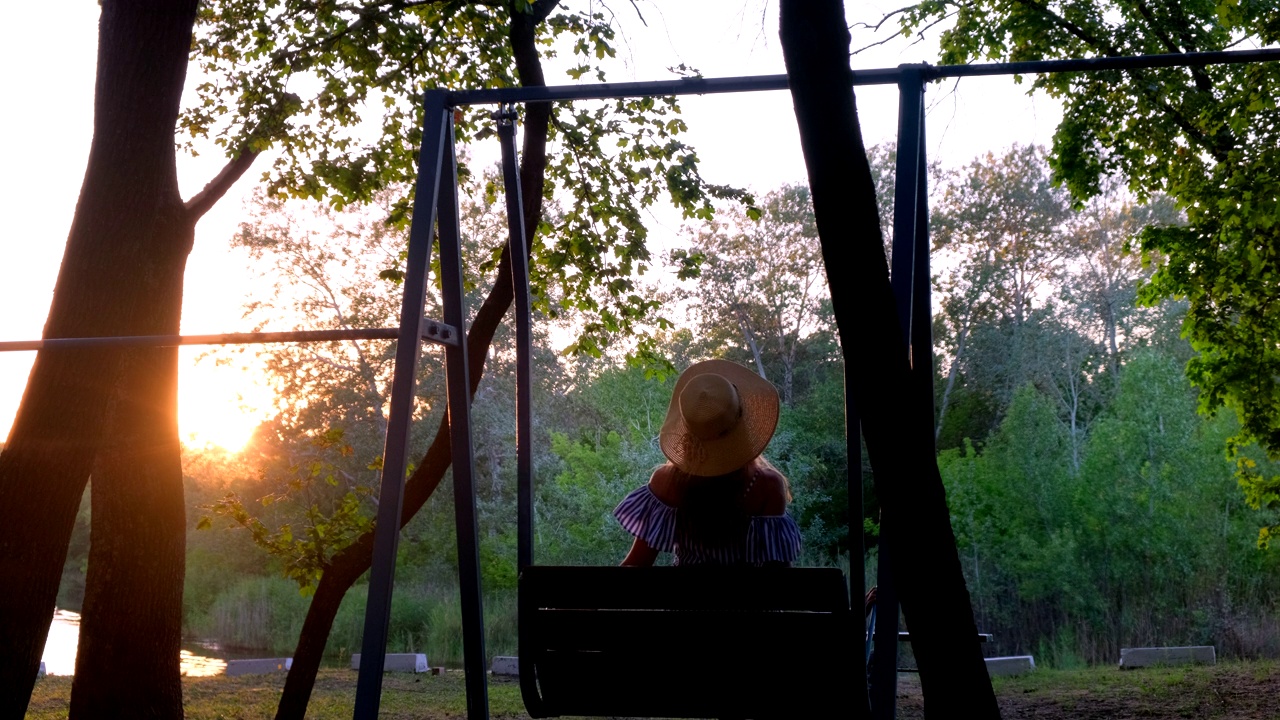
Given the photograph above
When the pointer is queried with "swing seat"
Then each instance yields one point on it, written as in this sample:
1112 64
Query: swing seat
689 642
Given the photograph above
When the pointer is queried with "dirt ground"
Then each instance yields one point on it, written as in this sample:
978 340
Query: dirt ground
1241 691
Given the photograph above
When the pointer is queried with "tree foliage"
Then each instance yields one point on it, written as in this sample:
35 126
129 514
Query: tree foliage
323 71
320 452
1093 508
1147 542
330 73
761 284
1207 136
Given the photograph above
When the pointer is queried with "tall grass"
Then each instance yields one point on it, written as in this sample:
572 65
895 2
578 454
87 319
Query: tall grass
260 613
266 614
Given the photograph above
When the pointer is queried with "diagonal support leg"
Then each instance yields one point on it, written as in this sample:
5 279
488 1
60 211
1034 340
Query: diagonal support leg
395 456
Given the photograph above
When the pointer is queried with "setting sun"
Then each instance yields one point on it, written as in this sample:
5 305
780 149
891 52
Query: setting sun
219 405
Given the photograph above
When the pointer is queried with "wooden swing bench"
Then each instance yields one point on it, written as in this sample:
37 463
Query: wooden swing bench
686 642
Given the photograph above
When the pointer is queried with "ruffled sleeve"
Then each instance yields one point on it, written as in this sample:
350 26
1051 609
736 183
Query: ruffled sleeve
642 514
772 538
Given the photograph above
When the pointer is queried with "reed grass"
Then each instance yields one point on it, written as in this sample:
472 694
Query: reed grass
266 613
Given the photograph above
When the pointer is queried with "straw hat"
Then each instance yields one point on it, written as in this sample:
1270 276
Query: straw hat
721 417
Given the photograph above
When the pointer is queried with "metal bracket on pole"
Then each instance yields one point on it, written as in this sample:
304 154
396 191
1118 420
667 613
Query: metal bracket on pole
395 455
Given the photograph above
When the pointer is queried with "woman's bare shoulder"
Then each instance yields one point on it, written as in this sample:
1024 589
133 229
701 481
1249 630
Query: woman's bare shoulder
665 485
769 492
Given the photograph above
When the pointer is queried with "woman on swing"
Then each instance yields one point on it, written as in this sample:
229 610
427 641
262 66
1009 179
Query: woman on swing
716 500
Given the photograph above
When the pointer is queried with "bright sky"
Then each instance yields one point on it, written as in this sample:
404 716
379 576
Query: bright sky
747 139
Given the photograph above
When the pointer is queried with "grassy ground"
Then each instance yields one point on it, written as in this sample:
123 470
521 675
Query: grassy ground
1247 691
1243 691
251 697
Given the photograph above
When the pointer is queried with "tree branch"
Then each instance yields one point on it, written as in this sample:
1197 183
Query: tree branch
541 9
1203 83
1103 46
201 202
919 33
884 19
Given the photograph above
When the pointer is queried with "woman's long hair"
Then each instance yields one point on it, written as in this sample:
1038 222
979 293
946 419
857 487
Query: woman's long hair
714 507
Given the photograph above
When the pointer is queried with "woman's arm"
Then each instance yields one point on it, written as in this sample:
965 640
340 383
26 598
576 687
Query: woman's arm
640 555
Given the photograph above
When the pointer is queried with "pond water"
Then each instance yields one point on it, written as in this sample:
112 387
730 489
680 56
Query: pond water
197 659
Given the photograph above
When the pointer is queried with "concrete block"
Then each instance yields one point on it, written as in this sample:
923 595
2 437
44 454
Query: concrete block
398 662
505 665
42 672
1010 665
260 666
1150 657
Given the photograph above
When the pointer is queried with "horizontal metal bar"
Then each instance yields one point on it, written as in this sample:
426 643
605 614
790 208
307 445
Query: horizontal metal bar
601 91
432 331
1132 62
877 76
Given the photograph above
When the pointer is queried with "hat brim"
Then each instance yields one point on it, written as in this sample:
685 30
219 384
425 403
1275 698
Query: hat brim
741 445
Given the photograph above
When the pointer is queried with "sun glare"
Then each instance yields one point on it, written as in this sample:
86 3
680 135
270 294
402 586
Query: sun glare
219 405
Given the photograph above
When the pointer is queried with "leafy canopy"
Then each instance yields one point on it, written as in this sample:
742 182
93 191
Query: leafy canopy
1208 137
334 89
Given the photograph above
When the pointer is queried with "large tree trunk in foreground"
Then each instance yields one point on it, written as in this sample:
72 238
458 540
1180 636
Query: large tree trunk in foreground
128 242
127 664
111 411
815 44
352 562
131 625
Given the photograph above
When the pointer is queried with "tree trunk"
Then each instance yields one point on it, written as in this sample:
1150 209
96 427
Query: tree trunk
951 381
348 565
1113 354
787 345
132 616
125 248
815 44
751 340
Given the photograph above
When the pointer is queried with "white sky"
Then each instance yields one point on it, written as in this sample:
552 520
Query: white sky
747 139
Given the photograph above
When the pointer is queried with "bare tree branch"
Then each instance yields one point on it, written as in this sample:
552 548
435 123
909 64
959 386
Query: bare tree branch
201 202
919 34
883 20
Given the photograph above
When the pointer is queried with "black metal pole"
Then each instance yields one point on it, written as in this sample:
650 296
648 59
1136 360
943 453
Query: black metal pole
432 331
873 76
395 456
922 293
906 186
516 246
857 554
1095 64
884 679
882 685
464 496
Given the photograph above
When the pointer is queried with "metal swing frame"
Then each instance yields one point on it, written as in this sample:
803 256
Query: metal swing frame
910 279
436 207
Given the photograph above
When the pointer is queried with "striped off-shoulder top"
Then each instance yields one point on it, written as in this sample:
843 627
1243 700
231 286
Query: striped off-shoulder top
767 538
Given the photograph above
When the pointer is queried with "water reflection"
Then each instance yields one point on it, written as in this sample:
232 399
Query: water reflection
64 634
200 666
60 649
